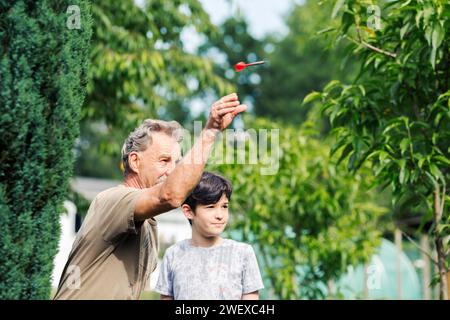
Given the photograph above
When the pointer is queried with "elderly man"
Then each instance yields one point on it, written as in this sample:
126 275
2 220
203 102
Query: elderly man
116 248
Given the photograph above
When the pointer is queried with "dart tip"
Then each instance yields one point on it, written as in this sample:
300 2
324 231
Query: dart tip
242 65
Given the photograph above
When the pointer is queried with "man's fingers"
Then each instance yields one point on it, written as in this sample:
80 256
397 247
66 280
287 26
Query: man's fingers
227 105
223 111
231 97
234 110
239 109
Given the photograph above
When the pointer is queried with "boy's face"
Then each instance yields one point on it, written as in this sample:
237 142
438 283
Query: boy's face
209 220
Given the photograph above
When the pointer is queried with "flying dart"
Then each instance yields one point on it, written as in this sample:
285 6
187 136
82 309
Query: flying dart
242 65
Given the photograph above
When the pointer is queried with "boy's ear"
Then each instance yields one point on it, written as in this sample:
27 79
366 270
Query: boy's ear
188 213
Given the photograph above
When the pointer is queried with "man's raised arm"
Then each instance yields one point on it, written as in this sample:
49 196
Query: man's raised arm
171 193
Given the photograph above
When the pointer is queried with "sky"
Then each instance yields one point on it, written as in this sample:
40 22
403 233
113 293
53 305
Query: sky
264 16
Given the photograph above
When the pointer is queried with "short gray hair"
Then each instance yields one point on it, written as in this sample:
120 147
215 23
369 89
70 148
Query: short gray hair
141 138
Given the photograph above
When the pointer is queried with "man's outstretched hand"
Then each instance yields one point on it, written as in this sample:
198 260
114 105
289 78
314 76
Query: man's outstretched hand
223 112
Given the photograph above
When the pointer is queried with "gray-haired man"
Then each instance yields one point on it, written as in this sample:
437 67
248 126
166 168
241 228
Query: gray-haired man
116 248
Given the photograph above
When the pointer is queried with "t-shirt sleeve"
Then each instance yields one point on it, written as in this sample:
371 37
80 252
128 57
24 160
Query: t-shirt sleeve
251 277
165 280
116 210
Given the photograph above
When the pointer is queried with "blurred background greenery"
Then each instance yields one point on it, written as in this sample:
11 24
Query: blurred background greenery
331 213
312 220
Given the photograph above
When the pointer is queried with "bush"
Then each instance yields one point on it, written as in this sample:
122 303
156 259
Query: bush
43 66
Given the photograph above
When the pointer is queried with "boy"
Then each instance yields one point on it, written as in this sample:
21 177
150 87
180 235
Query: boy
208 267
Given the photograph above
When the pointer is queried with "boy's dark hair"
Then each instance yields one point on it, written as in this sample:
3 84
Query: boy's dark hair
209 190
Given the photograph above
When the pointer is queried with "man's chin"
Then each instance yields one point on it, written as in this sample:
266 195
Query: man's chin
159 181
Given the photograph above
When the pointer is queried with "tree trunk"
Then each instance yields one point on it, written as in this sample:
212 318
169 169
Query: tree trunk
425 246
438 210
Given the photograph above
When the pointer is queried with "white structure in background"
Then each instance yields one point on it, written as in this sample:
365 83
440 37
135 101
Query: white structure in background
172 226
67 221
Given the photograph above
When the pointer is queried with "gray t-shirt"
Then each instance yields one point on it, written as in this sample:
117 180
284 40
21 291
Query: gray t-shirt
222 272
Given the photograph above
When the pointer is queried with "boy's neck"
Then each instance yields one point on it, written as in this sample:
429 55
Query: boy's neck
200 241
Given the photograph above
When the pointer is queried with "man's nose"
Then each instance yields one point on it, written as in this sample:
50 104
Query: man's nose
171 168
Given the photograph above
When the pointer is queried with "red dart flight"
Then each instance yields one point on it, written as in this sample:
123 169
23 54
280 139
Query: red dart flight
242 65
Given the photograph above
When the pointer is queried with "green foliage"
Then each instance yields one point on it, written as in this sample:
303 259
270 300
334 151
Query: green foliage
310 220
396 113
43 67
140 69
297 63
97 152
235 42
139 65
301 62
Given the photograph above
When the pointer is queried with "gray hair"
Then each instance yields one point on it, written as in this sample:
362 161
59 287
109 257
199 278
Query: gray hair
141 138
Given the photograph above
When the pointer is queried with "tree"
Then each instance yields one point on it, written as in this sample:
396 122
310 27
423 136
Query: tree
43 68
300 62
141 69
234 42
309 220
396 113
275 88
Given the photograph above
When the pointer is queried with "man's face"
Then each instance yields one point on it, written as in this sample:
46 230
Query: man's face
159 160
210 220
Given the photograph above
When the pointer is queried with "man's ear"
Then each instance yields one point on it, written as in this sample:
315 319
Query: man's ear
188 213
133 161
